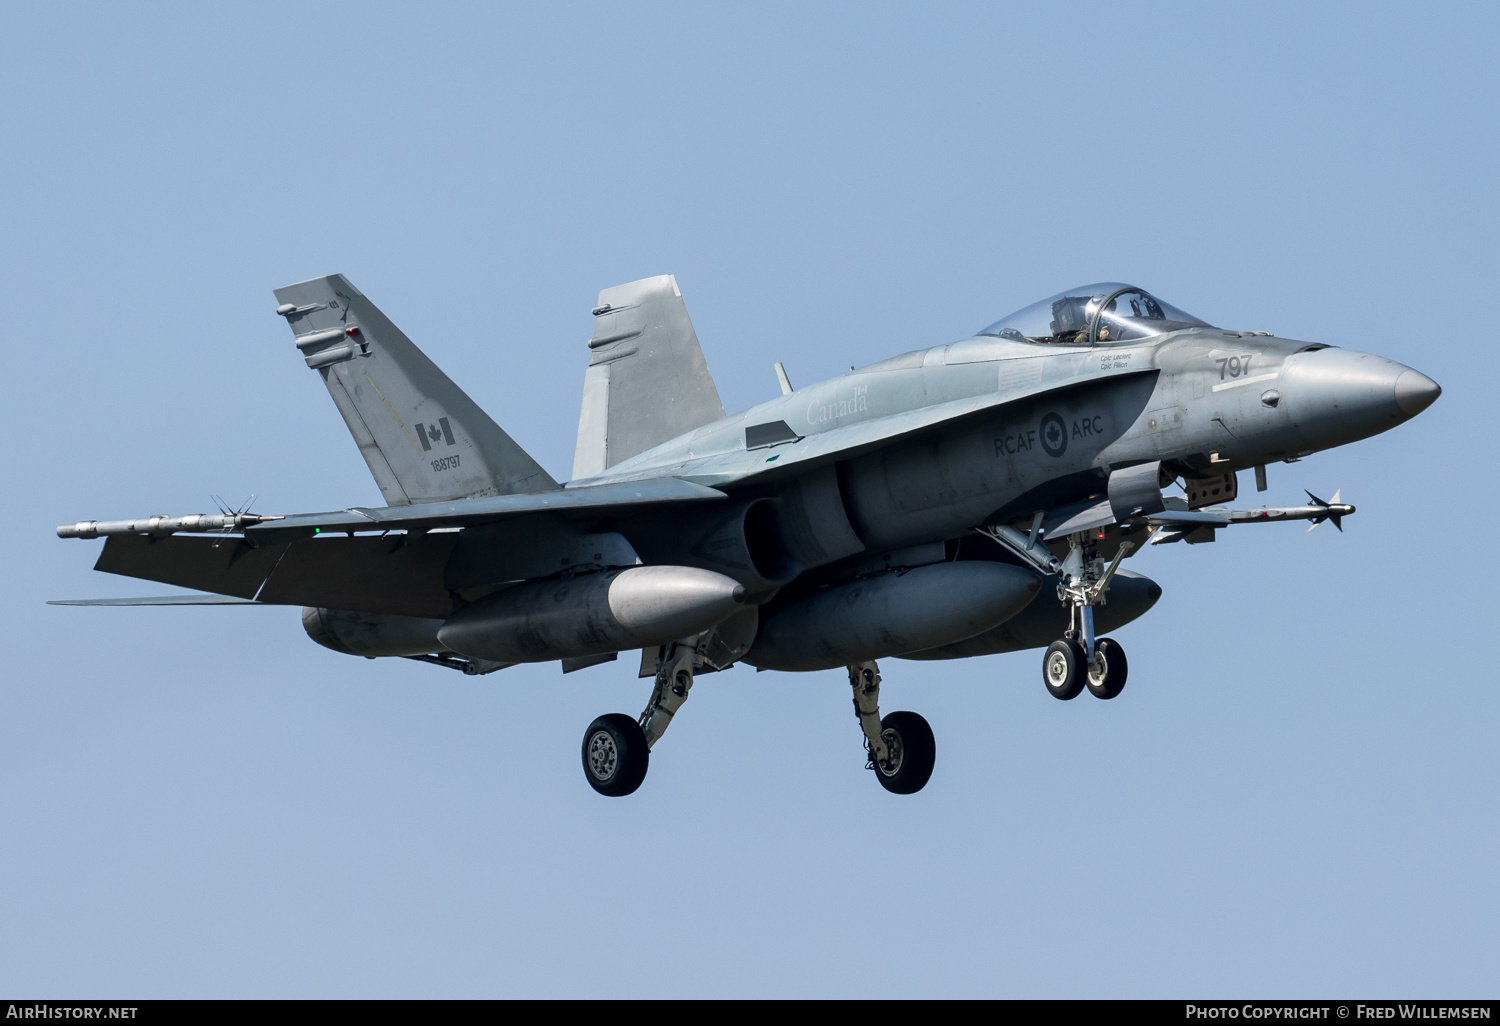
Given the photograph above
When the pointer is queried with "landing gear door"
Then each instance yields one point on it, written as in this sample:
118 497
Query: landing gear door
1211 489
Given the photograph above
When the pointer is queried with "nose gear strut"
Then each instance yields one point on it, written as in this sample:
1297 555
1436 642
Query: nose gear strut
1074 660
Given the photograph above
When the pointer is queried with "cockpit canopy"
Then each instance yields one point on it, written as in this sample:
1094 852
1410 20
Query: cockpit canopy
1093 314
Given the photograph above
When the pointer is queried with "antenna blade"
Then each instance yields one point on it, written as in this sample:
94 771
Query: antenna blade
786 382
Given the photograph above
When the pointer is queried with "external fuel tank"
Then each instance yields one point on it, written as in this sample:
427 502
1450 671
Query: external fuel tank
889 614
1042 622
591 614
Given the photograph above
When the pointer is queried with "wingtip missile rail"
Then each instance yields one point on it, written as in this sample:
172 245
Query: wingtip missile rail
198 523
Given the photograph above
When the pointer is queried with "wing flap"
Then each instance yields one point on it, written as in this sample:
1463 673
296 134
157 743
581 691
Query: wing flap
398 574
402 574
225 566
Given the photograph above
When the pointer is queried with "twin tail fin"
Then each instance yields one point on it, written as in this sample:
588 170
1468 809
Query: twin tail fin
423 438
647 381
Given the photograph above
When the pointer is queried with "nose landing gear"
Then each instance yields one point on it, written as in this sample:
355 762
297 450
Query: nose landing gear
1075 660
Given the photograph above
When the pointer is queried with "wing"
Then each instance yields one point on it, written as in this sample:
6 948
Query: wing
407 560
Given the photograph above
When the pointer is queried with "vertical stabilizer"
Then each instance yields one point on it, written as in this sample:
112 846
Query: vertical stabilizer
647 380
423 438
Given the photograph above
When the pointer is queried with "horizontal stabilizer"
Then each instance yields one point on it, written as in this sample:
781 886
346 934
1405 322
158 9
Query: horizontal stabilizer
160 600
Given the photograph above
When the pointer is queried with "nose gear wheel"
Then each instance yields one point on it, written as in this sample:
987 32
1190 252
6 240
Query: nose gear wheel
1106 674
1064 669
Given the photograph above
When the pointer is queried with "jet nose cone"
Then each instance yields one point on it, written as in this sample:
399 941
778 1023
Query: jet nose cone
1415 392
1338 396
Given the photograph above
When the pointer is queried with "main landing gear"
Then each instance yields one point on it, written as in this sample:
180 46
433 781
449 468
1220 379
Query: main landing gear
901 746
615 755
617 749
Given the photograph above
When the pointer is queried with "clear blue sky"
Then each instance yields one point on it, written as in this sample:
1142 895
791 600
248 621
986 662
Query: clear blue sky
1295 795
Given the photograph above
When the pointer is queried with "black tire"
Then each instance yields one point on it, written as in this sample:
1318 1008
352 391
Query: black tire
1112 681
615 755
913 751
1064 669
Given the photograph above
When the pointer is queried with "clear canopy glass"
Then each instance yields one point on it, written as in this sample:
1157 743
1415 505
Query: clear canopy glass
1104 312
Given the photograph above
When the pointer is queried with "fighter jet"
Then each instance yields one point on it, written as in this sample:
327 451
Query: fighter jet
950 502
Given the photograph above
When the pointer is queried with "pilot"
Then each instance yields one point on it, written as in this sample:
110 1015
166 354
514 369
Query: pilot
1104 332
1070 318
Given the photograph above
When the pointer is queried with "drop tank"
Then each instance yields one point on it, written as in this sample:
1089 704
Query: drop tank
592 614
890 614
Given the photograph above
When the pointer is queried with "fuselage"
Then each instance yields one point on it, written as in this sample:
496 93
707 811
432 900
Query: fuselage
933 442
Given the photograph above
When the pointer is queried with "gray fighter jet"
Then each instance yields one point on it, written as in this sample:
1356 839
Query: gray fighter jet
957 501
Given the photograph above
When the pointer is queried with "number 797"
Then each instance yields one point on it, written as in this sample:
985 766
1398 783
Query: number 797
1233 366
